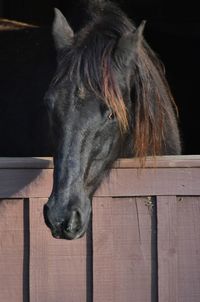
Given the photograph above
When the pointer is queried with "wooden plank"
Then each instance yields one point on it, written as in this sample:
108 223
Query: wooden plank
25 183
57 267
11 250
167 248
188 225
26 162
167 161
121 250
181 161
130 182
179 249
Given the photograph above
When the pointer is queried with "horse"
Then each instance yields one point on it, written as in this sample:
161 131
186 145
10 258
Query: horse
108 98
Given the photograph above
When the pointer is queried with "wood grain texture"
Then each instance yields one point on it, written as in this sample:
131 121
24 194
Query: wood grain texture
57 267
121 250
11 250
179 249
60 270
26 162
167 161
25 183
182 161
131 182
167 248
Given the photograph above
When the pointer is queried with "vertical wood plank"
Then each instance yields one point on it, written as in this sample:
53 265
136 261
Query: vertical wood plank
57 267
167 248
179 248
188 224
121 250
11 248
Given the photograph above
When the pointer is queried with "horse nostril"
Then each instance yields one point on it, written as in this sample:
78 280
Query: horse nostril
74 223
63 227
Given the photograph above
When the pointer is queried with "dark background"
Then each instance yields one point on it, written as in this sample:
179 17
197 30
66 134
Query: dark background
172 30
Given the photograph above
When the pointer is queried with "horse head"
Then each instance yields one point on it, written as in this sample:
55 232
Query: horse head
103 103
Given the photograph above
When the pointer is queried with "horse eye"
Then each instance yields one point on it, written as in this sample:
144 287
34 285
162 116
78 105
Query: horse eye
111 116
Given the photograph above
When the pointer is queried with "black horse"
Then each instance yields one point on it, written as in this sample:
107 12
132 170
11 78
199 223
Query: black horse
108 99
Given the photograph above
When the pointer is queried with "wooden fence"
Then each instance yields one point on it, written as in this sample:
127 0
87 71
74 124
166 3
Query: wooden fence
143 243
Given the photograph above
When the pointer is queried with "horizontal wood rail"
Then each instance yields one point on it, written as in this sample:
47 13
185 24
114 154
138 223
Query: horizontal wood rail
181 161
167 175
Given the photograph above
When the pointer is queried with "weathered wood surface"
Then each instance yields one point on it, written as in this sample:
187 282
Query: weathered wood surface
11 250
57 267
25 183
26 163
179 248
121 250
114 262
183 161
34 177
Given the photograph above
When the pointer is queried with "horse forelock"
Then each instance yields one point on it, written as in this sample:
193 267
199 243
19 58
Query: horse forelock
90 62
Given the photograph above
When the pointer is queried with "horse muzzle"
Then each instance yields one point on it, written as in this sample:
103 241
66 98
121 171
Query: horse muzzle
72 226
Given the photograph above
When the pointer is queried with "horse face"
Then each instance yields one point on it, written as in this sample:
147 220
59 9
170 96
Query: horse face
88 141
96 67
87 132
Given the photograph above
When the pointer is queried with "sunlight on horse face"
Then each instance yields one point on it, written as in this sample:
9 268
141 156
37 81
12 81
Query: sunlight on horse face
88 141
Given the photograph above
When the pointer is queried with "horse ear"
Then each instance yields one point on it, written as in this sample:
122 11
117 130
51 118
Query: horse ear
61 30
128 45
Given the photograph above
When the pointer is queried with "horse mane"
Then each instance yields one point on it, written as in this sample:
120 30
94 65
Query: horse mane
90 63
